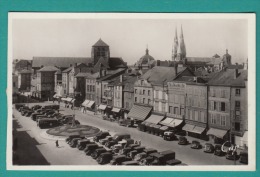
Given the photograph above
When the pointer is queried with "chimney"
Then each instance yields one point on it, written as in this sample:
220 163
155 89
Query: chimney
121 78
41 66
236 72
158 63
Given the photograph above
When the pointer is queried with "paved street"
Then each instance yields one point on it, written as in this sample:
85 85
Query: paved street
69 156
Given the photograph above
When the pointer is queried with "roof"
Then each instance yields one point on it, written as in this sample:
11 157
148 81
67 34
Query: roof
48 68
100 43
58 72
88 75
227 78
101 63
235 67
63 62
117 62
216 56
68 69
25 72
190 79
160 74
145 59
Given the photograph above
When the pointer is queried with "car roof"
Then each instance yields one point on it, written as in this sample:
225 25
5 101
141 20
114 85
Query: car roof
167 152
130 162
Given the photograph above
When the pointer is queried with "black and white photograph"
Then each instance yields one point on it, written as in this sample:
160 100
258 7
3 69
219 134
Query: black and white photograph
124 91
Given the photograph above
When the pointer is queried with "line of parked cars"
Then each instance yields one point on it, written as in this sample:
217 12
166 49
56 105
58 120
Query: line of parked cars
121 149
46 116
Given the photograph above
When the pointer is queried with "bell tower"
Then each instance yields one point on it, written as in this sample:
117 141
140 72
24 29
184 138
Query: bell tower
100 50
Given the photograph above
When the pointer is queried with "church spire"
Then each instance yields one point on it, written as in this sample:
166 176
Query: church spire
175 45
182 45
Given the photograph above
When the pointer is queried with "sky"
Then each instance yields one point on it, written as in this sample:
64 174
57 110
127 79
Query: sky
128 38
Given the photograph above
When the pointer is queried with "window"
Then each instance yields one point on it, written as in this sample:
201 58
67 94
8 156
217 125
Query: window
163 95
171 109
237 92
156 94
223 106
237 126
163 107
149 101
202 116
135 90
149 93
196 115
182 99
143 100
182 111
156 106
213 92
223 120
143 92
237 105
213 119
135 99
13 84
175 110
142 82
127 105
190 114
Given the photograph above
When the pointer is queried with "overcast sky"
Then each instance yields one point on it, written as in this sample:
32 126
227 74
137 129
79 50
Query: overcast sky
128 38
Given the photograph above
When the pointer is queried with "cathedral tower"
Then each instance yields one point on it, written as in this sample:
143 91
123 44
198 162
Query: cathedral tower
179 49
100 50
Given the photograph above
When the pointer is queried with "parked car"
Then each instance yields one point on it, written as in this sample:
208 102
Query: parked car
169 135
122 144
74 142
162 130
156 129
131 163
116 138
135 151
54 106
159 158
19 105
231 155
96 153
105 158
124 151
217 150
126 122
208 148
243 157
119 159
71 137
48 123
195 145
90 148
103 141
183 140
173 162
82 143
28 113
100 136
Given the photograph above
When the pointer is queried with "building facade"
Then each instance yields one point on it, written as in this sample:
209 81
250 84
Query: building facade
24 80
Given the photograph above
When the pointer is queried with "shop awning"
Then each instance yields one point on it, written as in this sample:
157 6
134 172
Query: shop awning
139 112
188 127
217 132
55 96
102 107
198 129
175 123
117 110
63 99
155 119
166 121
85 103
90 104
69 99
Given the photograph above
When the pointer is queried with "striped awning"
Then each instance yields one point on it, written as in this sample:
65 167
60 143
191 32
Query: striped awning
102 107
90 104
116 110
85 103
217 132
175 123
166 121
154 119
139 112
188 127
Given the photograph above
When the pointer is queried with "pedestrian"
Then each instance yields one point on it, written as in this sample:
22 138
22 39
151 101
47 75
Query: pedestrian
57 143
136 142
139 142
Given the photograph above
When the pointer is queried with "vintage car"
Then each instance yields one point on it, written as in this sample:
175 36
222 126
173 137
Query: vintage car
156 129
82 143
119 159
76 137
124 151
243 157
25 110
105 158
144 154
232 155
48 123
95 154
53 106
71 137
169 135
35 107
173 162
135 151
162 130
19 105
149 127
90 148
28 113
100 136
103 141
208 148
183 140
159 158
126 122
122 144
116 138
218 151
131 163
73 143
195 145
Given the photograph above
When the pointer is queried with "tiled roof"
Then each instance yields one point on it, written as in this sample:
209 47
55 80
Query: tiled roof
110 74
190 79
58 72
48 68
100 43
101 63
116 62
62 62
68 69
160 74
88 75
227 78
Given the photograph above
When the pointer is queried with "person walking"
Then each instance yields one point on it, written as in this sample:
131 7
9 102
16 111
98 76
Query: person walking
57 143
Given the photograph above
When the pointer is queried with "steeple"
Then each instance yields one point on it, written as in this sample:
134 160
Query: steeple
147 51
175 45
182 45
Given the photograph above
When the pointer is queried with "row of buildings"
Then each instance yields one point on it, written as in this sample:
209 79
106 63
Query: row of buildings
206 97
